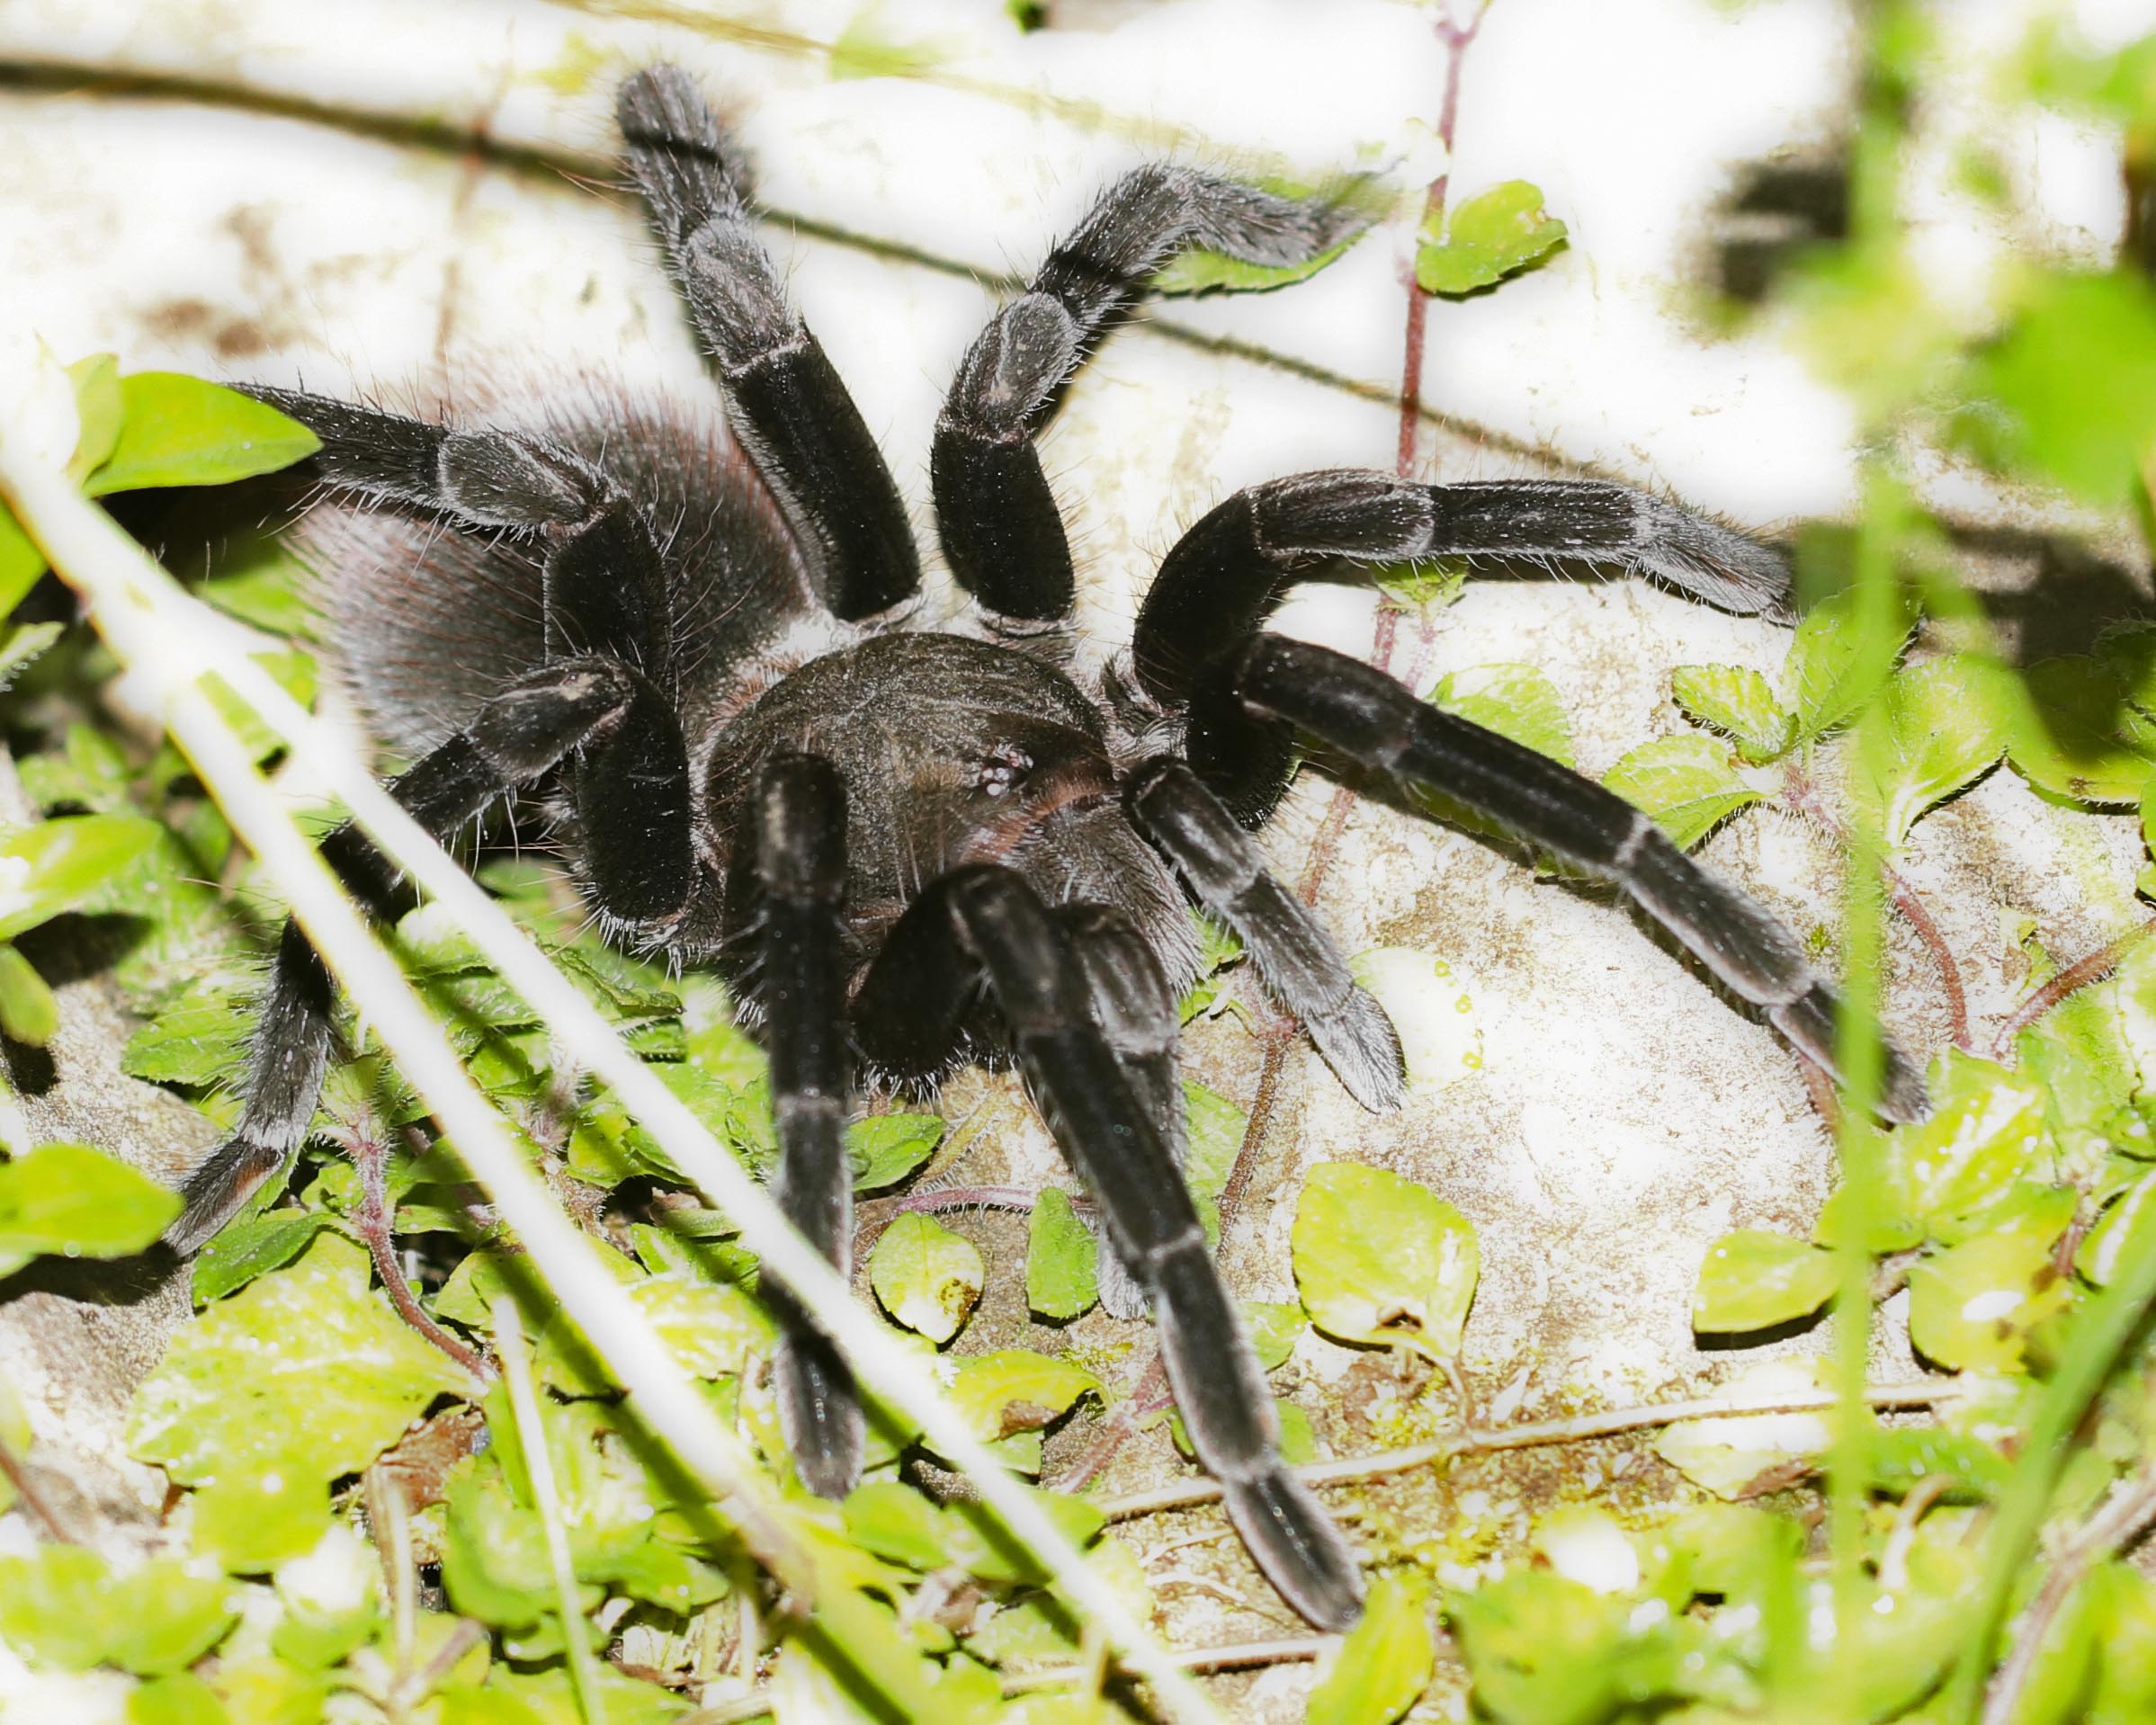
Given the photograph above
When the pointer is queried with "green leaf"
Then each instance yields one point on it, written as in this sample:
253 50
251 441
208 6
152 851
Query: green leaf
80 1202
1275 1327
55 865
62 1608
712 1329
295 674
1382 1260
884 1148
1197 271
1541 1648
1728 1453
1516 701
1942 733
98 409
1971 1309
2123 1231
1015 1389
301 1377
1689 783
2070 728
1385 1662
180 1699
21 561
2068 392
253 1246
1214 1134
894 1521
1060 1261
927 1276
200 1039
1755 1279
28 1012
1987 1132
184 430
1834 666
1490 236
1738 701
163 1617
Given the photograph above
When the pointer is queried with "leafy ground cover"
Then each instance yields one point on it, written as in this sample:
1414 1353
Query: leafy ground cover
406 1488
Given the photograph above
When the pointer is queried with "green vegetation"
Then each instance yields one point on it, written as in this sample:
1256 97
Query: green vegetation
1960 1557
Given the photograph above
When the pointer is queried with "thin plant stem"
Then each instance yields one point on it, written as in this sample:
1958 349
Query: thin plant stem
2083 973
1578 1428
31 1496
151 623
546 1499
375 1222
2091 1353
2117 1522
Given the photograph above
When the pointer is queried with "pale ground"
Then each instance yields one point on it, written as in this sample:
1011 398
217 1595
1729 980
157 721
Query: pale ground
1623 1114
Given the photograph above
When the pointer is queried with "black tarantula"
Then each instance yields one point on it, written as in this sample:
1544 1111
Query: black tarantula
912 850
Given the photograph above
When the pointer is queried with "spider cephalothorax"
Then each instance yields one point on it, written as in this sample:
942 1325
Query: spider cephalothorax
910 849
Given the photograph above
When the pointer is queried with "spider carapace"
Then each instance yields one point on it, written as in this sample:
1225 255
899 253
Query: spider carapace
692 645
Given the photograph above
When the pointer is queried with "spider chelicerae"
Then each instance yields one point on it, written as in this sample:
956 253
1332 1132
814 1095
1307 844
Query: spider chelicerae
907 849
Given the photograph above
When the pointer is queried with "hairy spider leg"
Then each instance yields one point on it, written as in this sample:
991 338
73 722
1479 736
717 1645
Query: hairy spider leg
1362 711
1297 960
1000 530
1231 571
605 593
802 872
518 737
1135 1009
987 921
791 408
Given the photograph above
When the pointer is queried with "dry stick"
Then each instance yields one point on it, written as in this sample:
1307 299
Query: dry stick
1226 1656
146 618
2082 974
2117 1522
1579 1428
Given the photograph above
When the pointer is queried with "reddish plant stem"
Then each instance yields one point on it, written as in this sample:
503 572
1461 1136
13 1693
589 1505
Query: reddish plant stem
1278 1035
2083 973
375 1222
32 1496
1800 796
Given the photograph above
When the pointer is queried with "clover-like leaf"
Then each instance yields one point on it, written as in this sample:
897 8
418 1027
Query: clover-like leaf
1738 701
178 429
1755 1279
1384 1665
1516 701
711 1329
252 1247
299 1379
927 1276
1689 783
1382 1260
1942 734
1489 236
1275 1326
1061 1262
80 1202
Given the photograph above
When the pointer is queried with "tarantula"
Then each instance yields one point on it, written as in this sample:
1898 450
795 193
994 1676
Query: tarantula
912 850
